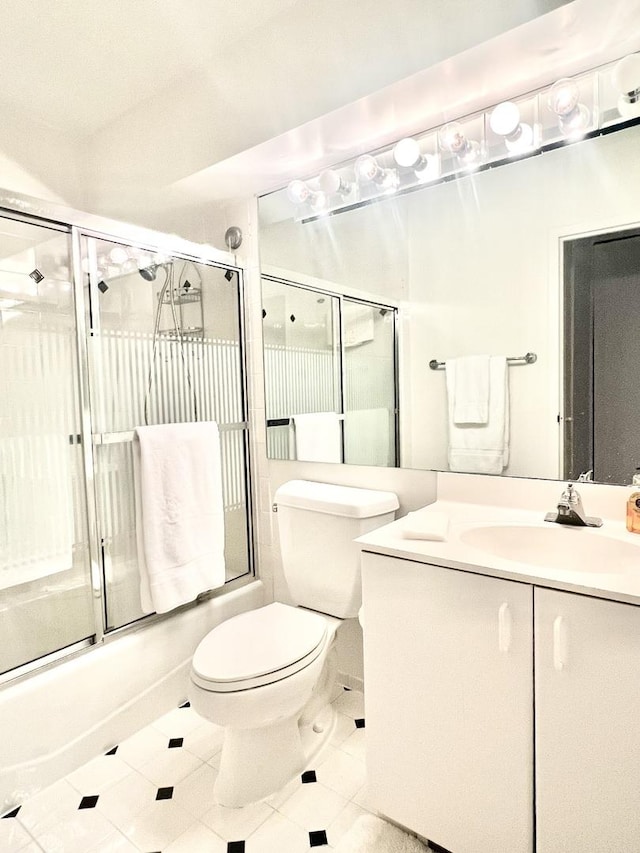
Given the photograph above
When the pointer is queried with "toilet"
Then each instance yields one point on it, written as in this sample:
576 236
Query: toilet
267 675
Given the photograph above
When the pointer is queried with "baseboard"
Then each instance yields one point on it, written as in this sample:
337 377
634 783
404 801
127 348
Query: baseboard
350 681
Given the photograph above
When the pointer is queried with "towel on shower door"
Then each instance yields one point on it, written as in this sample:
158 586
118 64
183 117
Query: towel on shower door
468 386
179 513
483 448
318 437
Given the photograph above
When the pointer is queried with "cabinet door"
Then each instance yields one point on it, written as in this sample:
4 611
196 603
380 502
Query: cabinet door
449 704
587 662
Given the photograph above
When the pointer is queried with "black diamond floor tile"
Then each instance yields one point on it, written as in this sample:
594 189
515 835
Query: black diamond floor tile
359 723
12 813
176 742
185 705
235 847
88 802
317 838
309 776
164 793
112 751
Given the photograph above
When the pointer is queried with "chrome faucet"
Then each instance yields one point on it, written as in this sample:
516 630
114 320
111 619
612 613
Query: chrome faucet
570 510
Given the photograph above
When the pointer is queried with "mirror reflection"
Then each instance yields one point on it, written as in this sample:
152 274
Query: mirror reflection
486 268
330 375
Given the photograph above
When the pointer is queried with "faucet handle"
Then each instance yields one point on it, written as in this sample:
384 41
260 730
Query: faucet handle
570 494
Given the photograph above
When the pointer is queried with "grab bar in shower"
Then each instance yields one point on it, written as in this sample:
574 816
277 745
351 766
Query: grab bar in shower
276 422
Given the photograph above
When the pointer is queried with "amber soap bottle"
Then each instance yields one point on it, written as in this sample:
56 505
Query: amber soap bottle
633 513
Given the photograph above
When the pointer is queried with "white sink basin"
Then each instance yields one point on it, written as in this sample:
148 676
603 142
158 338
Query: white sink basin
559 547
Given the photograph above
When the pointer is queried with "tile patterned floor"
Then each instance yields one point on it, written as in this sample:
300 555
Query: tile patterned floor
153 793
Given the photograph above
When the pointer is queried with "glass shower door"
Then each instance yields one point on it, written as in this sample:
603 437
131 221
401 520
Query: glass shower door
45 585
370 405
164 347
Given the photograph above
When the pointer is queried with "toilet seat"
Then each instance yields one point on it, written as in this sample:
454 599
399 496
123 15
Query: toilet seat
258 647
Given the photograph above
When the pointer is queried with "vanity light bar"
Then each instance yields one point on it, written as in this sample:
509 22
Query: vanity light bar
572 109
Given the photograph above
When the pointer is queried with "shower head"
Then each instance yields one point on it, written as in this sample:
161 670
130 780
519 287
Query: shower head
149 273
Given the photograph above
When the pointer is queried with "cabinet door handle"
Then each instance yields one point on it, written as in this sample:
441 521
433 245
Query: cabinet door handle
504 627
559 643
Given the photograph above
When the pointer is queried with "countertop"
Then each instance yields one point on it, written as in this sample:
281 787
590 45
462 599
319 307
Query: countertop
615 581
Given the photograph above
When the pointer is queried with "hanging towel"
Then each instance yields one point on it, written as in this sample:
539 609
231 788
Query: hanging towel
367 437
483 449
318 437
179 513
468 386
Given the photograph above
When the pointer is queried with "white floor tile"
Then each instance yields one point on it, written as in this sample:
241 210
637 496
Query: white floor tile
343 823
342 773
158 825
355 744
97 775
313 806
178 723
350 703
362 799
116 843
198 839
236 824
195 792
86 830
141 747
278 834
170 767
127 798
277 799
205 740
14 838
48 807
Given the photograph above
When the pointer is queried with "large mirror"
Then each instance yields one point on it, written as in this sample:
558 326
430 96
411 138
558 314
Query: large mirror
497 263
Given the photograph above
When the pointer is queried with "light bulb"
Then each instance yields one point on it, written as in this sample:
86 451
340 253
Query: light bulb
564 100
367 169
332 183
319 201
505 121
452 138
626 80
298 192
407 154
118 255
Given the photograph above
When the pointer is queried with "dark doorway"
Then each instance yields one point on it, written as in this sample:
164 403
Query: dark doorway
601 355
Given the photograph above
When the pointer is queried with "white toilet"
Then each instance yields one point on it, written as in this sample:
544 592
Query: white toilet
267 675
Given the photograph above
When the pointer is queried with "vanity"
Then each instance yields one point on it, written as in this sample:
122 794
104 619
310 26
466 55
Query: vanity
502 672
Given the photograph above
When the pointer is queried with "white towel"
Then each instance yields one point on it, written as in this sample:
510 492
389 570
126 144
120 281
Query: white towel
468 387
366 437
371 834
426 524
484 449
179 513
318 437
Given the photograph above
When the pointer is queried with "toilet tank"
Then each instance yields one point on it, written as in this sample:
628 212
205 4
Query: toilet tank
317 523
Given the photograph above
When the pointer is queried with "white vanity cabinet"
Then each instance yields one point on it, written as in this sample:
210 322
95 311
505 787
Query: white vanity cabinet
453 663
449 703
587 693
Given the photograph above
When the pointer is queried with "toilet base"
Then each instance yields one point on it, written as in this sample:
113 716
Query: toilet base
256 763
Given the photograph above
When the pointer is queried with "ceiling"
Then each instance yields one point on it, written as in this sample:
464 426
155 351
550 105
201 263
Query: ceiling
192 94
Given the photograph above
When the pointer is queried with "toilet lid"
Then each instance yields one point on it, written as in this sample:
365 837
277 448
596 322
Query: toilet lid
258 647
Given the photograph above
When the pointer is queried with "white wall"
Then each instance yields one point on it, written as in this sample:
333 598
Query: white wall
39 161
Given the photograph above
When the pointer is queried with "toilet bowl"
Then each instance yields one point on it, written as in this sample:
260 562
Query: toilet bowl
267 675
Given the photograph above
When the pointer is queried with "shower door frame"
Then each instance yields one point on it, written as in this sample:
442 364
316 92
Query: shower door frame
78 225
362 300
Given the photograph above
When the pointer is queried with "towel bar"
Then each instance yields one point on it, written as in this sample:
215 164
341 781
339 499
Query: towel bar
529 358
